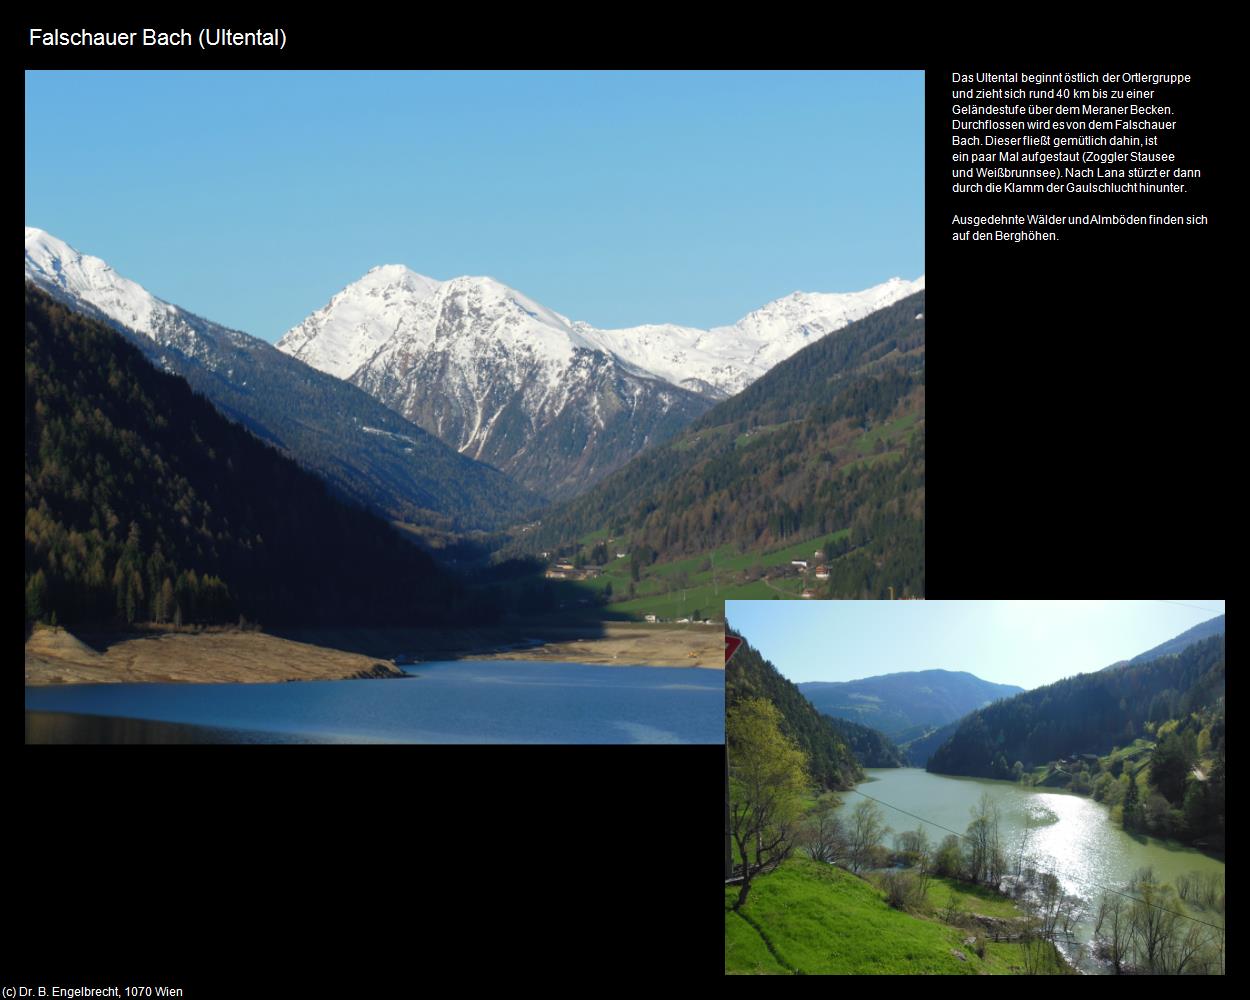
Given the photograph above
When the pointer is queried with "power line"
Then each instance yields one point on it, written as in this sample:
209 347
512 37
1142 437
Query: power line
1074 878
1182 604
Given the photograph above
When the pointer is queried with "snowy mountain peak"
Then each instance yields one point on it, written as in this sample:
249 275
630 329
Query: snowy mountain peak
729 358
341 336
511 316
395 274
58 268
396 309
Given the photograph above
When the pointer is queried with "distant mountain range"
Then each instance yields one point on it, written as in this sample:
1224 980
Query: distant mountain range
555 403
502 380
495 375
904 705
367 452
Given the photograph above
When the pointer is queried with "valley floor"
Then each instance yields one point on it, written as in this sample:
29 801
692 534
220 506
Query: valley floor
56 656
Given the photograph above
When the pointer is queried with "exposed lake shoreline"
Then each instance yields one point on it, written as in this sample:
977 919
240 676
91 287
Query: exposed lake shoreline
229 655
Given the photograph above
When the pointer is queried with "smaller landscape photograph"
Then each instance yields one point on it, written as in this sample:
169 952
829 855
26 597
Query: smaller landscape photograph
975 788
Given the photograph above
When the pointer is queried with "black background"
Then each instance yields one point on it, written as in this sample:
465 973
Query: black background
1079 450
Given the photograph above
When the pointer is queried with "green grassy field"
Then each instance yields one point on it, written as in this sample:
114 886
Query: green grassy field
814 918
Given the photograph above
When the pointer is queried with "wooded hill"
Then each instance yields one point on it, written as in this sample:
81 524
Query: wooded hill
143 503
830 439
871 747
1088 713
830 760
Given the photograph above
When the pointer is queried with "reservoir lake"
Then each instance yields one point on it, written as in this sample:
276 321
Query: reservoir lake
463 701
1068 833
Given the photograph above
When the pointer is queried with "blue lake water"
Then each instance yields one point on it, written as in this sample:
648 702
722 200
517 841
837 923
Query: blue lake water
463 701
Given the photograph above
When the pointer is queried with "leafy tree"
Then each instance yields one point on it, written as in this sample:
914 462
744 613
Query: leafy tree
948 858
865 829
823 834
1170 766
1133 818
1112 928
985 855
767 778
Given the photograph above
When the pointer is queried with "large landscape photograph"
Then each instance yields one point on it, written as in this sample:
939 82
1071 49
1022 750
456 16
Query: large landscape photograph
463 399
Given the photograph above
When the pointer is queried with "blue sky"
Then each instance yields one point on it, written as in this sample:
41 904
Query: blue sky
1029 643
617 198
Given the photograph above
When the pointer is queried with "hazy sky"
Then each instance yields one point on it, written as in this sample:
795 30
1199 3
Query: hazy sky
616 198
1029 643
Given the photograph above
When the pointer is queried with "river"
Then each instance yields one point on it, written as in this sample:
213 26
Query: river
463 701
1067 833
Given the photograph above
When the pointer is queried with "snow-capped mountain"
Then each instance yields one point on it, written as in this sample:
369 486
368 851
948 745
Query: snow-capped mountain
511 382
344 334
494 374
93 287
364 449
726 359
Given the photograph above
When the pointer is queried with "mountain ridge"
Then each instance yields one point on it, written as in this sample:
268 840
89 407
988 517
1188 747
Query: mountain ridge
145 503
367 452
495 375
715 357
893 703
555 403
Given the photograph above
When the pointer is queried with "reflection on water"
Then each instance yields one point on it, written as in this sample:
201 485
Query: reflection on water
501 701
1061 832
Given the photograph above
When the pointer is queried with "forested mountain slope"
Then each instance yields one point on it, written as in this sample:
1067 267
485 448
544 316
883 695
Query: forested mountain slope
871 747
143 503
1088 713
749 675
830 439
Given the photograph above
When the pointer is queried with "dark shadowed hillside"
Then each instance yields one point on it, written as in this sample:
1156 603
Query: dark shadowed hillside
143 503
